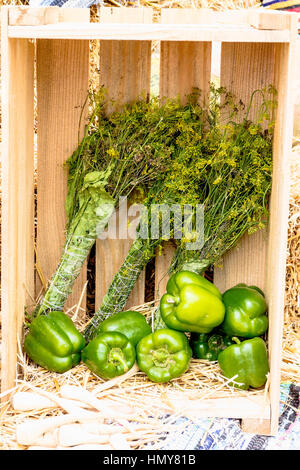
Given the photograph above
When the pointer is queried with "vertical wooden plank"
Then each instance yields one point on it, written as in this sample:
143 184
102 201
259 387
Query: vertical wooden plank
245 68
183 66
244 263
125 68
62 87
163 260
256 426
285 61
23 15
17 271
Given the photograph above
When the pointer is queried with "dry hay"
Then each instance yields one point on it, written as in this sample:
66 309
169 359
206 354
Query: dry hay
213 4
157 407
291 332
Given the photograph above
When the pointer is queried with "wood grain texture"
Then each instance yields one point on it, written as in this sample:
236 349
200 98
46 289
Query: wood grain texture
37 16
151 32
17 232
29 16
62 87
125 68
183 66
162 263
245 68
253 407
203 16
272 20
244 263
285 59
256 426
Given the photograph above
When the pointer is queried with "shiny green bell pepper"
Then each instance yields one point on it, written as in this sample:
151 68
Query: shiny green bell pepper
191 303
208 346
248 361
109 355
53 342
163 355
245 309
132 324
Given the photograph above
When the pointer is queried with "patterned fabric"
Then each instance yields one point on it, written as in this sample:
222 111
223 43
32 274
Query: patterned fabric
63 3
226 434
288 5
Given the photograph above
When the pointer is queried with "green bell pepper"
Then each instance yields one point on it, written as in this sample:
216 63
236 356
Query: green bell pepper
191 303
132 324
53 342
163 355
248 361
208 346
109 355
245 309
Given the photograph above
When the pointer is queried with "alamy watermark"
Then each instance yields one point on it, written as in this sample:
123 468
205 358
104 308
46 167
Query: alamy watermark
164 221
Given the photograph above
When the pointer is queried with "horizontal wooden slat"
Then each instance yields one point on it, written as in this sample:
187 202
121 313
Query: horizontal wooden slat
259 18
272 20
204 16
235 407
29 16
24 16
148 32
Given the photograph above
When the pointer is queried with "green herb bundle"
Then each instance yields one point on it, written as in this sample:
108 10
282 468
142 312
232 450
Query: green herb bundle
130 149
225 165
119 153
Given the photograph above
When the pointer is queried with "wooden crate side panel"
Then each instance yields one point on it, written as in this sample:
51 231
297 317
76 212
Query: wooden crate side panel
125 68
17 233
245 263
245 68
183 66
285 59
250 408
36 16
130 61
62 88
259 19
203 16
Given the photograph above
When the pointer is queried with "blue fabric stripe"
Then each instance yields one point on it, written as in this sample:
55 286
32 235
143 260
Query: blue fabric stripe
267 3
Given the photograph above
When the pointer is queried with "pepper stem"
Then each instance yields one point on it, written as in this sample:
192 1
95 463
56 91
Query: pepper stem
236 340
116 355
161 357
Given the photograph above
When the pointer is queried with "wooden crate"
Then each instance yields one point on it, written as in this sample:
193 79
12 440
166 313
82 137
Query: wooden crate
256 50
